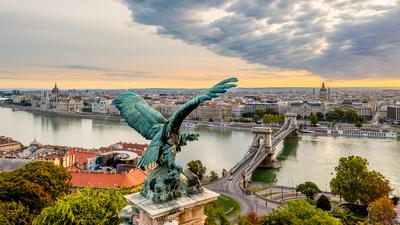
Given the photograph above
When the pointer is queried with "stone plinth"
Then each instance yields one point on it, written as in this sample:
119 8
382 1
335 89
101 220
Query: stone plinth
187 210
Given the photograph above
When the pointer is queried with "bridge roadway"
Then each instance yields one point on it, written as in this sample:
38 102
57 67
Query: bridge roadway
232 185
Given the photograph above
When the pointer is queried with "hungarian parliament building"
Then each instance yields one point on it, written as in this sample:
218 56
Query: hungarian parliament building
56 101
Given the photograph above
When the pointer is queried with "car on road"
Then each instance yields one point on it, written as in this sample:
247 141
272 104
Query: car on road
230 178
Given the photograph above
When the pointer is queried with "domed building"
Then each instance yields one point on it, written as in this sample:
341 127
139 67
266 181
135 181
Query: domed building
324 93
54 100
55 90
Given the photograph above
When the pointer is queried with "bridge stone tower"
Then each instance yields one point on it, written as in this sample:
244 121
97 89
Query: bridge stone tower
262 137
291 117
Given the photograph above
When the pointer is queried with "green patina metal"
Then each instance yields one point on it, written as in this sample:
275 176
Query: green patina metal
168 180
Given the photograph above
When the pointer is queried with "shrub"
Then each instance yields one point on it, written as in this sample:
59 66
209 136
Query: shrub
324 203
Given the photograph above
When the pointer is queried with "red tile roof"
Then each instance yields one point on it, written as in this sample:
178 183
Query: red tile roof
107 180
72 168
81 157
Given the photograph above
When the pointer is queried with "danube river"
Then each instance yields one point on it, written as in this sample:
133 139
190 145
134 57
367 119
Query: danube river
303 158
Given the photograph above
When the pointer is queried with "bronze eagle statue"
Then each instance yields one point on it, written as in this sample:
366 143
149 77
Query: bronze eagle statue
165 182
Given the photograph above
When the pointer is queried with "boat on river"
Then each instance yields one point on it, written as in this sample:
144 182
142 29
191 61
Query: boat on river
351 132
189 125
219 125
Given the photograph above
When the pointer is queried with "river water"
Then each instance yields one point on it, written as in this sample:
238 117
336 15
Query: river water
303 158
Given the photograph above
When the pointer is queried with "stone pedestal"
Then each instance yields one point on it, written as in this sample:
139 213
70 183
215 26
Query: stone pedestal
270 163
187 210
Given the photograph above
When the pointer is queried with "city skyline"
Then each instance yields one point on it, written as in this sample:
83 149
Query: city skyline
123 44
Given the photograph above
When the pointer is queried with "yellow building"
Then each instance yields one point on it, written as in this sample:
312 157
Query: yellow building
8 144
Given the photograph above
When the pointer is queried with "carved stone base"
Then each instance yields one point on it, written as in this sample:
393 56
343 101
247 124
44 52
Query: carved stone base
187 210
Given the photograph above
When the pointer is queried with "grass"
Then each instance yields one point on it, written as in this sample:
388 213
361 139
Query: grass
257 189
269 194
228 205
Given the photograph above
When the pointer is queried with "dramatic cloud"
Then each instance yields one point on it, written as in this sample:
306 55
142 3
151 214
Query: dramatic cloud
110 73
333 38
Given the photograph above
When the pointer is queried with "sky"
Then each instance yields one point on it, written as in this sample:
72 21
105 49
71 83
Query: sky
193 43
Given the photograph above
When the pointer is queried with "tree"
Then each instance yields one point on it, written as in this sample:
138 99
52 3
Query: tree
35 186
354 182
309 189
13 213
18 189
382 211
334 115
313 119
84 207
358 124
271 118
376 186
243 220
213 175
55 180
350 116
259 112
320 116
298 212
324 203
215 214
196 166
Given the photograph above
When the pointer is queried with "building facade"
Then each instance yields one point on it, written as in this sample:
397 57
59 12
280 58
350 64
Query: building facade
393 113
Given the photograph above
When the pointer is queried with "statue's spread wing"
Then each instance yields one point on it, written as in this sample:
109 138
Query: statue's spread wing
139 115
177 118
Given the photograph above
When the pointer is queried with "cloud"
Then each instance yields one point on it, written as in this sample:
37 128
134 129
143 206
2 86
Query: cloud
110 73
332 38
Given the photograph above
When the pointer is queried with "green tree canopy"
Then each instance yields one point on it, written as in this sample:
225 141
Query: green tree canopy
313 119
298 212
271 118
348 116
196 166
309 189
13 213
84 207
35 186
55 180
355 183
213 175
320 116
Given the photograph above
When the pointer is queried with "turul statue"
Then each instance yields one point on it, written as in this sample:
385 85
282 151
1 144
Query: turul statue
167 180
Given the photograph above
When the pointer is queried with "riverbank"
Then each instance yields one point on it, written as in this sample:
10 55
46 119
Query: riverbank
65 114
100 116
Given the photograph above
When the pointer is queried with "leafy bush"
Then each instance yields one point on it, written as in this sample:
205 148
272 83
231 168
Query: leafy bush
86 206
324 203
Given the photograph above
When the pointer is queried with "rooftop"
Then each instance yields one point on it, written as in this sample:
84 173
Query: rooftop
81 156
7 141
107 180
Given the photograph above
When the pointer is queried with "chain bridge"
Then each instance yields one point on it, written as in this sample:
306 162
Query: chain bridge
262 152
